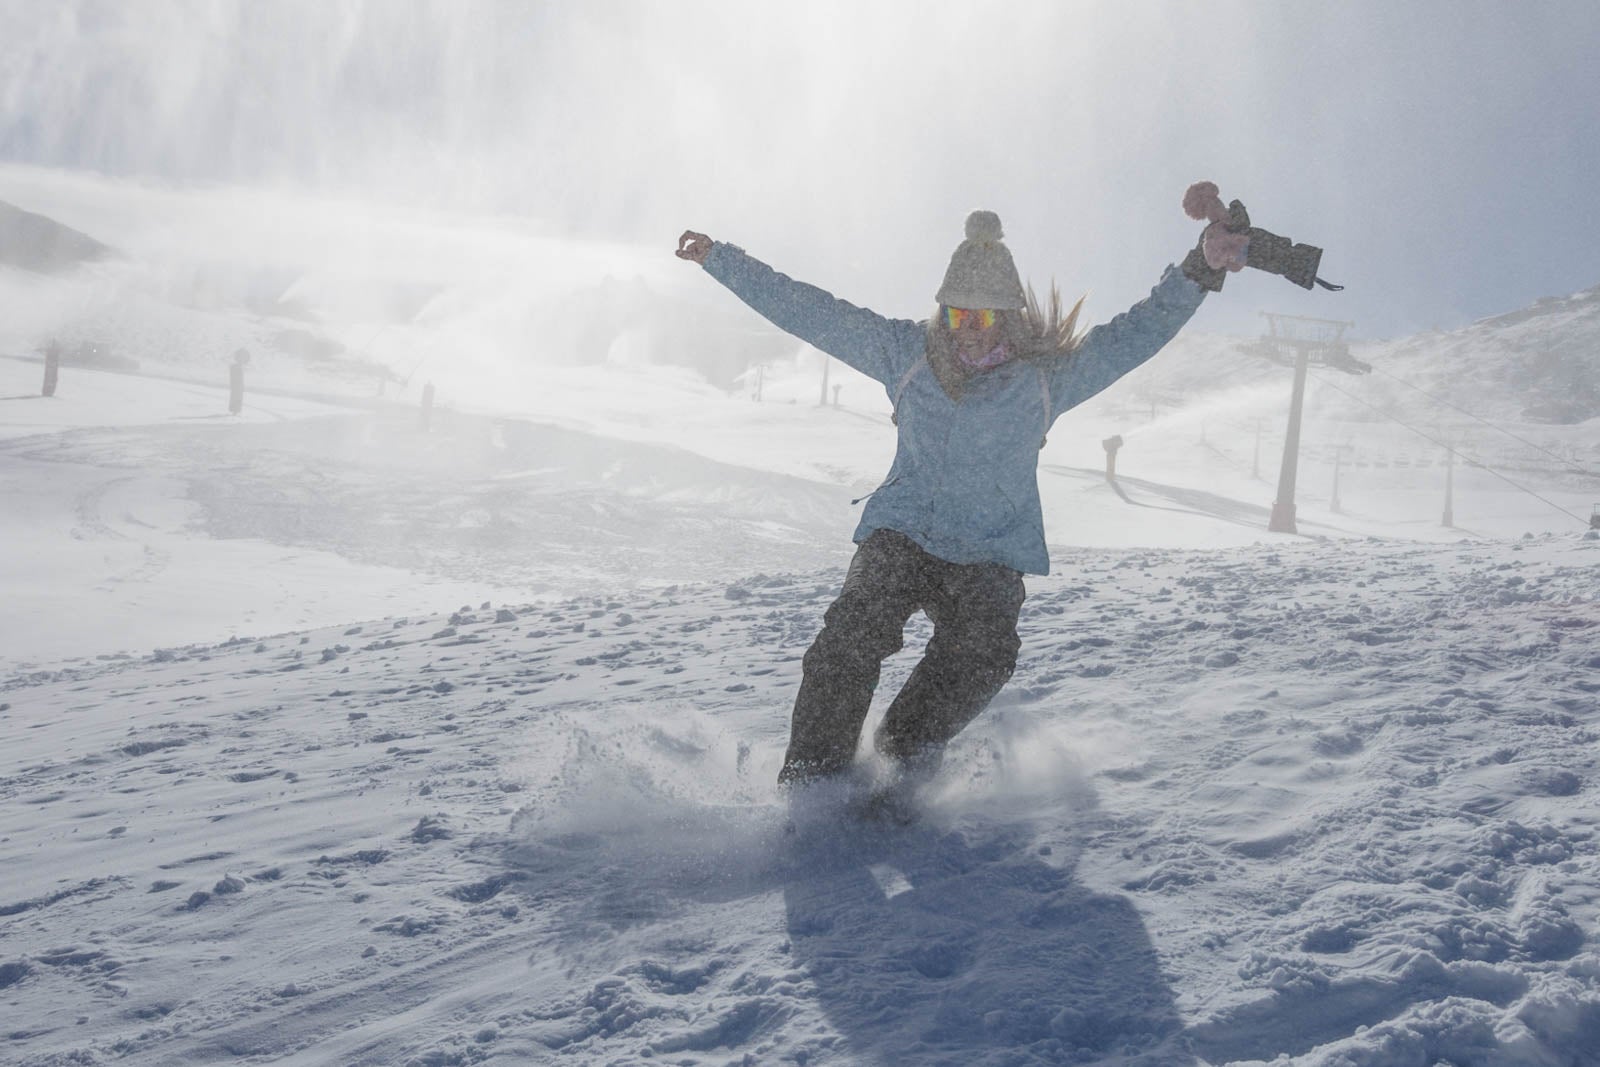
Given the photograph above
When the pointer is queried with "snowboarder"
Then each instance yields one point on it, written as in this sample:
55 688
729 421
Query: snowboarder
957 521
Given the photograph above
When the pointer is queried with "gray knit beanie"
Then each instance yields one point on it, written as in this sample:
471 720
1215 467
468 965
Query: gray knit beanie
981 273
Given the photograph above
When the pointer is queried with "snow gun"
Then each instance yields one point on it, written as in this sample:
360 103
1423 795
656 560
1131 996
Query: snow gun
1230 243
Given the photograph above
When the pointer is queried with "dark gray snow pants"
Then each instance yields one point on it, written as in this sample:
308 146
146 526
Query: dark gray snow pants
974 608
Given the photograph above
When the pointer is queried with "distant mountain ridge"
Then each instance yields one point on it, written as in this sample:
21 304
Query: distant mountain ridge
1540 363
43 245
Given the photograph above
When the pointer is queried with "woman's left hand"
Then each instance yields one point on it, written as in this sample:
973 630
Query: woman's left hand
694 247
1224 249
1224 242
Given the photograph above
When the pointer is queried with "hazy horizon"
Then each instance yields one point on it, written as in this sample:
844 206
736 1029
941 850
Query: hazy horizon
1440 152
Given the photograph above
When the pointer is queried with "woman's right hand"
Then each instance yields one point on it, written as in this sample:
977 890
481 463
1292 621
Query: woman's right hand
694 246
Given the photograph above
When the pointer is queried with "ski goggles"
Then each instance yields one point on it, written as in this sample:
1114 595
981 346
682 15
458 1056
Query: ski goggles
983 318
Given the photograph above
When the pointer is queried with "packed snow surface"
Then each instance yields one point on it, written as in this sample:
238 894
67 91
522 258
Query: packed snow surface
328 740
1235 805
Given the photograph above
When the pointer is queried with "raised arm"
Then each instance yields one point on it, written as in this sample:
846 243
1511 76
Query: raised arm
1113 349
877 346
1227 245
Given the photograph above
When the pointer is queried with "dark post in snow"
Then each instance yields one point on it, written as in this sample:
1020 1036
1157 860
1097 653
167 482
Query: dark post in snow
236 382
1111 444
52 367
1338 461
836 389
1296 341
427 406
1449 487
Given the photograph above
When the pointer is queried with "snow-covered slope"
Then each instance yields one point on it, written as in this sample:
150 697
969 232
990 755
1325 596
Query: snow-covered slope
1235 805
329 739
152 518
1537 363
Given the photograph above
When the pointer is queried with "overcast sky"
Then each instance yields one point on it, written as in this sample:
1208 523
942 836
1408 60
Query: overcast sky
1444 152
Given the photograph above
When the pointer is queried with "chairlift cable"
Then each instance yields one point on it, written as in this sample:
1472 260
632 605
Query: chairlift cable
1450 448
1570 464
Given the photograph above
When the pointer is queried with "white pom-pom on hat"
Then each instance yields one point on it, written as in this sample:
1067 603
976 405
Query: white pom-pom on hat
984 226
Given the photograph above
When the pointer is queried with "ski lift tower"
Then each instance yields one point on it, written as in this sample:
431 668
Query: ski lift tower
1292 340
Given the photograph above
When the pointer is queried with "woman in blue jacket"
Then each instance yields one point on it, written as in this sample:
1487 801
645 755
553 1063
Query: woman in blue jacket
957 521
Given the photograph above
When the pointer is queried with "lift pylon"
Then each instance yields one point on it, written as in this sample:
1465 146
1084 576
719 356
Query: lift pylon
1292 340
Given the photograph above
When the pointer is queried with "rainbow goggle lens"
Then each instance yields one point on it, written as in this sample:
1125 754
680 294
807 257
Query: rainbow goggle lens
984 318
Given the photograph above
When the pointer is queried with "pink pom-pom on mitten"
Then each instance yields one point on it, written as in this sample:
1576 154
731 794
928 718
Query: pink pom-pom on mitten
1202 201
1223 249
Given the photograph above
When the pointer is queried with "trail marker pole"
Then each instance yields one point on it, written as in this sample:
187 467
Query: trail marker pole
1111 444
52 368
1338 461
1449 488
236 381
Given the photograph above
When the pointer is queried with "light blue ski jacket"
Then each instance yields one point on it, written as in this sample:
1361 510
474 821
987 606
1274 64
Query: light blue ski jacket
964 484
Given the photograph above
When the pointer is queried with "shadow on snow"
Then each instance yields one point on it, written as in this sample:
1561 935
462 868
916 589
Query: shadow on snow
967 948
926 945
